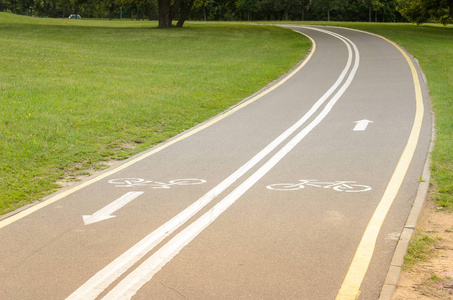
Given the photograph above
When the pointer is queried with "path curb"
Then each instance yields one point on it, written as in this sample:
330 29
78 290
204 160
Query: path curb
394 272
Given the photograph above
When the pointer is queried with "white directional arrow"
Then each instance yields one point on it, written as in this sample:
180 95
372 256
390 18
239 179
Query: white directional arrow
361 125
106 212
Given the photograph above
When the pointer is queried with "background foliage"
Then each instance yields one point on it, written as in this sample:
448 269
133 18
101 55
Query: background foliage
226 10
415 11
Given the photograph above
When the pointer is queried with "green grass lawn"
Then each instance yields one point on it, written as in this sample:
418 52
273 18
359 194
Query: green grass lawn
77 93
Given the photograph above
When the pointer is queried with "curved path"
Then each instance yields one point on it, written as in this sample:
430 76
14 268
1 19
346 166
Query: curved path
300 192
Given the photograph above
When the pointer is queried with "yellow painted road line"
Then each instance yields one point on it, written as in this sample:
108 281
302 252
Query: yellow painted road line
62 195
350 288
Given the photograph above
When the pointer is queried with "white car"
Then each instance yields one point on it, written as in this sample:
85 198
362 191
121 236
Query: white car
73 16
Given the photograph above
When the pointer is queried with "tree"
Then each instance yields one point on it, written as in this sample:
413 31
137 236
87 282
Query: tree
328 5
287 6
168 9
76 6
304 4
421 11
248 7
203 4
139 6
388 10
373 5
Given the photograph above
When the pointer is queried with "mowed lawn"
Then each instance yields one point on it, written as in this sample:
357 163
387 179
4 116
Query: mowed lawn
75 94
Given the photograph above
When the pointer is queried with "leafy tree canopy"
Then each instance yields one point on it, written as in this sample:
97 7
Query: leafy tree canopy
422 11
175 12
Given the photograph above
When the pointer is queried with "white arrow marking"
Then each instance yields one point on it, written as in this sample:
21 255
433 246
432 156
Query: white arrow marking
361 125
106 212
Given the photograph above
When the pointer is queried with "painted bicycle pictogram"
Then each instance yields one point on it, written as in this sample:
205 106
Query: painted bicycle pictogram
133 182
339 186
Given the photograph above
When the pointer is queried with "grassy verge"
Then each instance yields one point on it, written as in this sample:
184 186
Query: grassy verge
76 93
420 249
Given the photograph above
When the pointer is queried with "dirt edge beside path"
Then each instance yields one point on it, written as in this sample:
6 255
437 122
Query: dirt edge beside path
433 278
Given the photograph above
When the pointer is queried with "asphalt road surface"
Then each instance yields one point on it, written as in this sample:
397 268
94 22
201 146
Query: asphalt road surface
300 192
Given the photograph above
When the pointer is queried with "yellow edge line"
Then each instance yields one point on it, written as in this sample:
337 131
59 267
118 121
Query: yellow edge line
61 195
359 266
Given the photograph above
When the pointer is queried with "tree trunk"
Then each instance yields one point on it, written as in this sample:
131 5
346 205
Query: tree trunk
328 15
184 11
369 15
168 11
303 14
164 14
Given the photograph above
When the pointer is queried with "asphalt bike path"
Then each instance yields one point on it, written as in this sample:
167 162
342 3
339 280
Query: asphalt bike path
300 192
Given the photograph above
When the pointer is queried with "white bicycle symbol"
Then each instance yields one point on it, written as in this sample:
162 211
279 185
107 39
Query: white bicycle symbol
340 186
130 182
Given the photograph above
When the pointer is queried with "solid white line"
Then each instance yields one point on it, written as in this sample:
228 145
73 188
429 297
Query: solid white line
99 282
129 286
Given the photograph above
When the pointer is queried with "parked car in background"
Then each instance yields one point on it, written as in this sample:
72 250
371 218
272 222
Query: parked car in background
73 16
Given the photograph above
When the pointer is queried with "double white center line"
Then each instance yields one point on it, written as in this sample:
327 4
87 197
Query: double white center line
137 278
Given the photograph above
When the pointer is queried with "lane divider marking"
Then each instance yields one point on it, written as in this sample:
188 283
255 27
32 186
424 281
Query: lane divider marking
97 284
129 286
